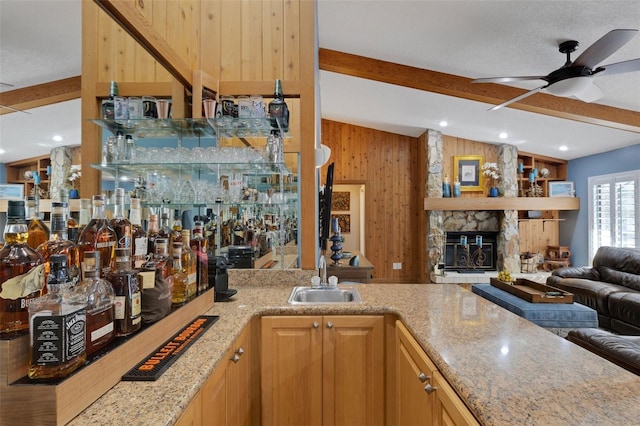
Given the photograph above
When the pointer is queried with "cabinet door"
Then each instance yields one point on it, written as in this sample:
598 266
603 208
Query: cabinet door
243 381
353 370
450 410
291 371
413 372
214 396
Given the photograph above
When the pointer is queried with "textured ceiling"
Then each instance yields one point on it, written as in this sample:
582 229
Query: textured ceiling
40 42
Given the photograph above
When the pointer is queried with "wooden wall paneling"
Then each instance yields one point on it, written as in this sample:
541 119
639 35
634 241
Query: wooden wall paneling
291 55
421 220
251 42
211 36
230 43
272 39
453 146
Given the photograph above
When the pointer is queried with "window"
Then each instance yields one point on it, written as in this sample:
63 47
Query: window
614 206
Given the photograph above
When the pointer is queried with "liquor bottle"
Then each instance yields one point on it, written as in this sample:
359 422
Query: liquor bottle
120 223
165 230
59 243
238 232
85 215
38 230
22 275
179 294
189 260
175 235
108 105
57 326
128 294
278 110
153 233
72 224
100 304
98 236
199 247
138 235
161 256
210 233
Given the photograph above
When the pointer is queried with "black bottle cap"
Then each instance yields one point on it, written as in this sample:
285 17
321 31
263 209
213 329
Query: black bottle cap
15 209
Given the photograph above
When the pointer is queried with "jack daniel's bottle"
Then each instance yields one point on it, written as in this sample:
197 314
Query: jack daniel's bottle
22 272
278 110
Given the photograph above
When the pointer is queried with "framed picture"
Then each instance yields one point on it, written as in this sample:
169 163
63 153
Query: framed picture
11 191
468 169
561 189
341 201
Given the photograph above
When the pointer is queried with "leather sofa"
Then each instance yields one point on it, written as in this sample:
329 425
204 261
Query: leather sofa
611 287
621 350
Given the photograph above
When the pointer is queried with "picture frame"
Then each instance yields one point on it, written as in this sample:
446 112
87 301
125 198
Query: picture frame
11 191
561 189
468 169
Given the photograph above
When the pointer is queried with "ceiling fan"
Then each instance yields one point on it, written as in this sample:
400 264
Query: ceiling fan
576 78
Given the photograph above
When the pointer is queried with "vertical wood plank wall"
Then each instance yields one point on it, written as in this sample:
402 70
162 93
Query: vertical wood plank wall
388 165
453 146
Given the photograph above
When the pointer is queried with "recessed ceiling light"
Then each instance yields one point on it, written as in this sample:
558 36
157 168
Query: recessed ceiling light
503 135
563 147
2 151
443 123
57 138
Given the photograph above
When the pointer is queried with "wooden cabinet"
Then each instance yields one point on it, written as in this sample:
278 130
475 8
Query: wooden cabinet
231 395
323 370
424 397
15 173
557 171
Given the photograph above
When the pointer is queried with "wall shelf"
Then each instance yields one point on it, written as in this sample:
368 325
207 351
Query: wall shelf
513 203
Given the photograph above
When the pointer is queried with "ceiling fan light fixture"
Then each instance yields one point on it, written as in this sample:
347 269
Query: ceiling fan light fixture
570 86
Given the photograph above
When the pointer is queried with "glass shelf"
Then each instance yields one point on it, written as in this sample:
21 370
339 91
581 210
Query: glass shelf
255 169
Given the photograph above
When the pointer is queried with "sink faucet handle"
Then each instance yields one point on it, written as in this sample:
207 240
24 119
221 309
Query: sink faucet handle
315 281
333 281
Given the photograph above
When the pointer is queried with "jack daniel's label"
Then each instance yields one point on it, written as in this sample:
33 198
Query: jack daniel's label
56 339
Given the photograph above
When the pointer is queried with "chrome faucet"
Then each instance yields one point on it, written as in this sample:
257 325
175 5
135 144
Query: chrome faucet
322 266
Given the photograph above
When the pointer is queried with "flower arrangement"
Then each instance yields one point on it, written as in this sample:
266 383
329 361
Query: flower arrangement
75 172
492 173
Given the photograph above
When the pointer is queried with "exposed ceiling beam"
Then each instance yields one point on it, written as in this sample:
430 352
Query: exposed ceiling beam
461 87
41 94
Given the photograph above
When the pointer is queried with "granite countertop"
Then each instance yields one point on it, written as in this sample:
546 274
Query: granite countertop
508 370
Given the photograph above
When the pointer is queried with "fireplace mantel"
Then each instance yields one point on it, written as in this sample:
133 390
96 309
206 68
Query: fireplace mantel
502 203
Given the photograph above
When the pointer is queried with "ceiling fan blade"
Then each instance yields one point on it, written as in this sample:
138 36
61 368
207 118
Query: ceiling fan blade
604 47
590 94
518 98
619 67
508 79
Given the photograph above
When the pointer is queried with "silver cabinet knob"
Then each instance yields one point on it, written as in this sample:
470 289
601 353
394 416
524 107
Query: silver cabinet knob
315 324
240 351
429 389
235 358
423 377
329 324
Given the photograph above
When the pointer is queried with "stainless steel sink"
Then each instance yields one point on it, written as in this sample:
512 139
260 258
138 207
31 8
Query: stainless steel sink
315 295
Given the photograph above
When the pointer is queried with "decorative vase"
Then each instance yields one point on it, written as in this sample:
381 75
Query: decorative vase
74 194
493 192
456 188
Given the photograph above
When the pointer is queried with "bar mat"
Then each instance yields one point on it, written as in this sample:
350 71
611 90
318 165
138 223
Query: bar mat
152 367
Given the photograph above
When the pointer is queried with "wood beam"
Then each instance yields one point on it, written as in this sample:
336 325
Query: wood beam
41 94
132 21
461 87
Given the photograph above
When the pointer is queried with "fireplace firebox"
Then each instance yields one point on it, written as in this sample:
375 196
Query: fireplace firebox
470 251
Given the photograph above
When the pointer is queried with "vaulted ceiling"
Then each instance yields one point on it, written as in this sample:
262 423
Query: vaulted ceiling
394 65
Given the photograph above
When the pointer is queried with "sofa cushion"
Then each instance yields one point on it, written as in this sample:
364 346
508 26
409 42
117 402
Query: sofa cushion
593 294
622 278
625 307
621 350
620 259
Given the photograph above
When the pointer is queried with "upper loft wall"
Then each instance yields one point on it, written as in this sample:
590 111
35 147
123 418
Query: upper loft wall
453 146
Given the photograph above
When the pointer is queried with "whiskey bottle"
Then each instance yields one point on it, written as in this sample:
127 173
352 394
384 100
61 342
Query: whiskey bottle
165 230
199 247
278 110
84 216
210 233
57 323
38 230
22 275
180 291
238 232
140 246
128 294
72 224
108 105
189 263
120 224
175 235
98 236
100 328
153 233
59 243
